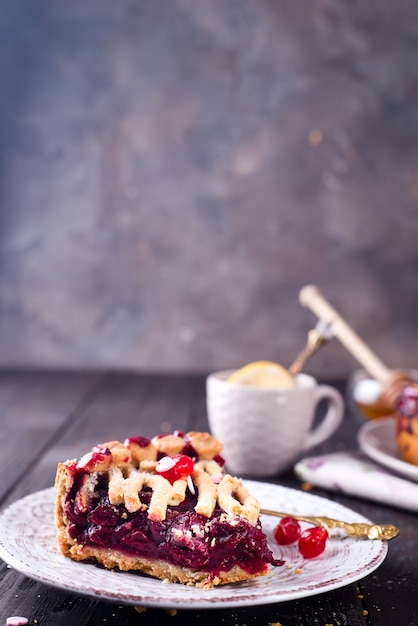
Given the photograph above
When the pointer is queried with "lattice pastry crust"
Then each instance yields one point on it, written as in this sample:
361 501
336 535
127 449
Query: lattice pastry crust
131 468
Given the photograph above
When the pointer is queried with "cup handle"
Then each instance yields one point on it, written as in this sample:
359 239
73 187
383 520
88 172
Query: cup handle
331 420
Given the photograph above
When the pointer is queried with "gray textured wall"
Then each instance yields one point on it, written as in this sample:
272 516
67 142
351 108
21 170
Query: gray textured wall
172 172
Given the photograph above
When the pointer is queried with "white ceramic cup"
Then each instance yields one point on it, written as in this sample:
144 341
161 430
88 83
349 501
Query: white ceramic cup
264 430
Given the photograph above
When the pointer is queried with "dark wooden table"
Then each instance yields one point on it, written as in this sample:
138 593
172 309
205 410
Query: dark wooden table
49 417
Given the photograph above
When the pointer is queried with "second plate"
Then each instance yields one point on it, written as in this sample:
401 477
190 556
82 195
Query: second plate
377 439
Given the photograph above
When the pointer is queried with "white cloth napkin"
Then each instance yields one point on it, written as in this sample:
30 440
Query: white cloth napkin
355 474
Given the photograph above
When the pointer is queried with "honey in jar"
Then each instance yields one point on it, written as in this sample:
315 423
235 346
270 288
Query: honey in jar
366 395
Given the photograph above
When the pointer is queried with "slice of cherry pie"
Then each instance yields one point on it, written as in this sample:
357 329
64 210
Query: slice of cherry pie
164 507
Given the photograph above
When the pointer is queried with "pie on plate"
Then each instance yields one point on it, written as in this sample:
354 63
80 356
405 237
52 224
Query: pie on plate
28 544
163 507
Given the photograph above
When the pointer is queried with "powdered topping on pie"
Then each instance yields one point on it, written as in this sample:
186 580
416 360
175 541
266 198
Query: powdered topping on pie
164 507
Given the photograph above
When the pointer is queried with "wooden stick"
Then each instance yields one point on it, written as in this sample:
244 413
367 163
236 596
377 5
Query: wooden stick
311 297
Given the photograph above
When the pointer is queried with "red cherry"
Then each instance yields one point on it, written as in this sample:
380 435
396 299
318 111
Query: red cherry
287 531
175 467
312 542
97 460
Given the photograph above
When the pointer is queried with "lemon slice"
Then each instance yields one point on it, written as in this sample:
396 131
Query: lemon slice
264 374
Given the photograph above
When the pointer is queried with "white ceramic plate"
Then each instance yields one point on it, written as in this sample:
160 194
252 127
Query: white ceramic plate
27 543
377 439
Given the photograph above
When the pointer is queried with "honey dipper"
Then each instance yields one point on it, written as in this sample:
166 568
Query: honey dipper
392 380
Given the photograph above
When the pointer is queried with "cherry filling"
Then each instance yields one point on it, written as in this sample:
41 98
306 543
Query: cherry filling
183 538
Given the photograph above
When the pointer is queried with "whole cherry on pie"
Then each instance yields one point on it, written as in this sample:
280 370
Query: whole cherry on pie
175 467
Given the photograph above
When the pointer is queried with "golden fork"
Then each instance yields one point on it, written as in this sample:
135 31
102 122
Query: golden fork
354 529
